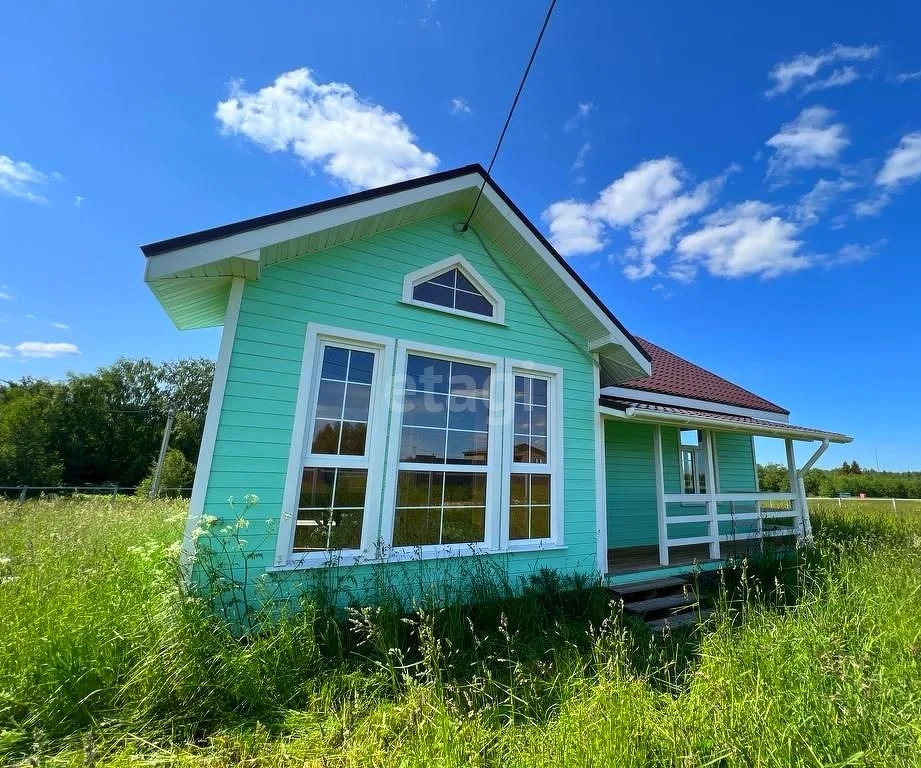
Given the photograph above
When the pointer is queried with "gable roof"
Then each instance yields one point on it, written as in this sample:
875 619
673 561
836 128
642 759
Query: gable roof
191 274
673 375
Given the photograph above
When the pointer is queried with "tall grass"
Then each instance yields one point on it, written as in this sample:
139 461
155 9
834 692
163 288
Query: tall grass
811 661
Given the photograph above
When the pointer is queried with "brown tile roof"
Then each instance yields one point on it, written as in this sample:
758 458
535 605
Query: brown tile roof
673 375
755 426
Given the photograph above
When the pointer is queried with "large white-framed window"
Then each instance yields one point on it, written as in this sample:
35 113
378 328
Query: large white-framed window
443 471
533 448
332 488
454 286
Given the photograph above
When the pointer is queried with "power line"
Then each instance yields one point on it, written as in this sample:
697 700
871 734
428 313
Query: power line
511 112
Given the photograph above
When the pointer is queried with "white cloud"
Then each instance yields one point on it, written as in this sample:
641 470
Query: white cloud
802 68
6 350
873 205
583 110
19 179
579 163
61 326
46 349
460 107
662 291
903 165
357 142
818 199
428 15
578 227
836 79
656 230
810 141
78 200
639 191
649 200
4 296
905 77
574 227
744 239
853 253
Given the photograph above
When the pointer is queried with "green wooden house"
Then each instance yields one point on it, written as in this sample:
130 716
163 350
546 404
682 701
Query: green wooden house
408 395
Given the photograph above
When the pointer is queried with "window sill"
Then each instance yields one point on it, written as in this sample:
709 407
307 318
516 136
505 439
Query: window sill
536 546
410 554
316 560
450 311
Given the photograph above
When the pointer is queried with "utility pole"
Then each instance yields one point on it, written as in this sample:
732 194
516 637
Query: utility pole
155 485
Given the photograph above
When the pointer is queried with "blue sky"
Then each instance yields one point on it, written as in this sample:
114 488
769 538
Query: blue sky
739 186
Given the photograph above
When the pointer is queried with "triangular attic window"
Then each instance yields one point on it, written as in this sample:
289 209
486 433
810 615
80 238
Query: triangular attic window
452 290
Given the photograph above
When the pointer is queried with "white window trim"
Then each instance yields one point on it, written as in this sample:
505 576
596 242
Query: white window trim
299 457
457 261
492 469
699 449
554 377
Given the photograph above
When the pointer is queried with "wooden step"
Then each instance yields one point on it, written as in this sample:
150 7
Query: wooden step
684 619
665 603
655 585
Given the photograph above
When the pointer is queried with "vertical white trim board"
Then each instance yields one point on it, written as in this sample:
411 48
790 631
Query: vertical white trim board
601 480
212 421
661 508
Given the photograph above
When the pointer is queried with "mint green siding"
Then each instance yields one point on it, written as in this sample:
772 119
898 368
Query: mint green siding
631 484
358 286
632 517
736 465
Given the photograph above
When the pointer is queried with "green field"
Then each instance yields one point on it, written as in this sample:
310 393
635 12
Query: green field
816 661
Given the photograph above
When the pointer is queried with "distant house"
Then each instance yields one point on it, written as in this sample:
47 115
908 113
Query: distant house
398 389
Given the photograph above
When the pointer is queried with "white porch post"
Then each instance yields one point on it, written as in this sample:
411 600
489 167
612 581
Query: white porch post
660 495
601 497
794 489
759 520
807 522
601 486
712 508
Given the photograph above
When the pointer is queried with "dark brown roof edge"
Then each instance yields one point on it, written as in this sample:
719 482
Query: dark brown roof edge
640 390
259 222
247 225
774 407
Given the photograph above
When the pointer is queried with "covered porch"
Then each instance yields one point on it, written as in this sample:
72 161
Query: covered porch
682 494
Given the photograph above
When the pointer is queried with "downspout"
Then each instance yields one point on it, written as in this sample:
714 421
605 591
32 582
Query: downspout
801 487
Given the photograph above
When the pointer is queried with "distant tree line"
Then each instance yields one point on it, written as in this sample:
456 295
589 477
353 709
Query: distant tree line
849 478
103 427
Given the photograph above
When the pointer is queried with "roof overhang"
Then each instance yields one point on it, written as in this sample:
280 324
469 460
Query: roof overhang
191 274
640 395
693 418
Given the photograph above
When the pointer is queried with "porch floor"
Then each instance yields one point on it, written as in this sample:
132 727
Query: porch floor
623 560
635 559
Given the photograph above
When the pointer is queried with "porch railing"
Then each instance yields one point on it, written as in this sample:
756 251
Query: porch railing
721 507
752 510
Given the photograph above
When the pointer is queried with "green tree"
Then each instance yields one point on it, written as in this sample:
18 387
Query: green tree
773 478
27 434
105 426
176 477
